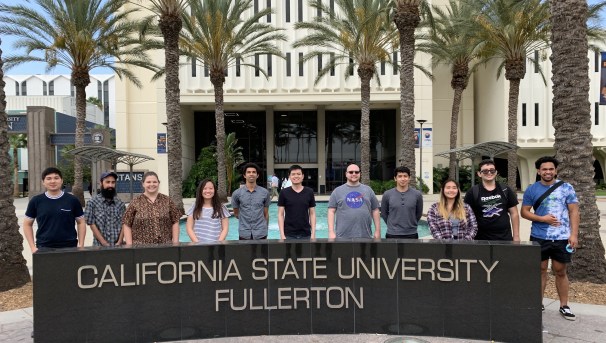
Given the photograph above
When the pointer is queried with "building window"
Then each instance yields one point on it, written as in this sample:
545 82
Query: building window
597 61
99 90
351 65
16 88
287 11
257 65
269 65
395 63
300 64
332 66
193 67
319 63
536 114
319 12
44 88
24 88
536 61
256 6
51 88
523 114
73 90
296 137
237 66
206 71
300 10
269 14
596 107
288 64
382 67
332 8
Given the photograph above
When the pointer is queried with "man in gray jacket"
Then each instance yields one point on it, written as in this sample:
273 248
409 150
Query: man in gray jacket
402 207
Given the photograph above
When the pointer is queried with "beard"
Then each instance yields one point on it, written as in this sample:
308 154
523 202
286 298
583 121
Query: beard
108 193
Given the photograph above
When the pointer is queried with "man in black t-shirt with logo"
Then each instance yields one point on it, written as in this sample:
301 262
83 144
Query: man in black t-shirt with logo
495 206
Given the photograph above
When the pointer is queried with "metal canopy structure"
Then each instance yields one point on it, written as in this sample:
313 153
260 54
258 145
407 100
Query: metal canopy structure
490 149
95 153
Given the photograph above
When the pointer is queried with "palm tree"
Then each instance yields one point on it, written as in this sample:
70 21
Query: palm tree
407 17
511 31
450 42
16 141
361 35
572 124
169 16
218 33
79 35
14 269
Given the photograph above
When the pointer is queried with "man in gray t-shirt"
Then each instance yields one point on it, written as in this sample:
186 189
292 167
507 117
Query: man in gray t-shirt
402 207
354 206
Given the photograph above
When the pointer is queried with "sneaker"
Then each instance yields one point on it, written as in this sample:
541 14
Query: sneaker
567 313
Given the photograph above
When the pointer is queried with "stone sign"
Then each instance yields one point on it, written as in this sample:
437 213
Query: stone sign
474 290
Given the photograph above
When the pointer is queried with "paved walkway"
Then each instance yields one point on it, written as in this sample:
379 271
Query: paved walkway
590 326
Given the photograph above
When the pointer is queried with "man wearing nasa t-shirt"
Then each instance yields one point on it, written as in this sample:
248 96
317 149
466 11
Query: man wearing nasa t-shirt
354 206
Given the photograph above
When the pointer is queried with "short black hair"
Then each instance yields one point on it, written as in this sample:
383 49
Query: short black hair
546 159
484 162
251 165
51 170
295 167
401 169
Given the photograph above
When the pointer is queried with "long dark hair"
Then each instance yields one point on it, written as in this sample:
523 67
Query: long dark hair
217 207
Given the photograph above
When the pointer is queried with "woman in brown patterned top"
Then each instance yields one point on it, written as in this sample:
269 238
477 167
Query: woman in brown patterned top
152 217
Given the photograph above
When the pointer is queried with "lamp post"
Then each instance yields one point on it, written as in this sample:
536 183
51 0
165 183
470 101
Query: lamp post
421 122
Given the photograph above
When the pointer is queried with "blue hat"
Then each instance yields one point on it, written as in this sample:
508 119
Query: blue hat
106 174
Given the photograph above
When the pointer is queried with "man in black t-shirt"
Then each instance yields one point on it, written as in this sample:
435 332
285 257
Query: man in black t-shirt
495 206
297 208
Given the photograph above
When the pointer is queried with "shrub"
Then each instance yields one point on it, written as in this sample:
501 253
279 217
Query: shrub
205 167
377 186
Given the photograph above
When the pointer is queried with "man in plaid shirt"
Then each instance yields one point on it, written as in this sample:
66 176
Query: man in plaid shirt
104 213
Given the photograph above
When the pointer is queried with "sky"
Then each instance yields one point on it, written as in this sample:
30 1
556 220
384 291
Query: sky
39 68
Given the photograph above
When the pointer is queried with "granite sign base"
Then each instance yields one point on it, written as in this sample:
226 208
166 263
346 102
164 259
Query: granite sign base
474 290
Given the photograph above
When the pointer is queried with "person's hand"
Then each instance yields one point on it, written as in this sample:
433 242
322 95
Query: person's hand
550 219
332 234
516 238
34 249
378 234
573 241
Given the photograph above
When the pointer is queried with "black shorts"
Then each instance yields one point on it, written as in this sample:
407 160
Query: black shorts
554 249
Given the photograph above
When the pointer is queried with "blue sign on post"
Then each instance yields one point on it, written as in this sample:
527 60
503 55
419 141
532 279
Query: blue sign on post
17 124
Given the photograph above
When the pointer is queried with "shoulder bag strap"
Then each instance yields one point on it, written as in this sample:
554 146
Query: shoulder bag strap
549 191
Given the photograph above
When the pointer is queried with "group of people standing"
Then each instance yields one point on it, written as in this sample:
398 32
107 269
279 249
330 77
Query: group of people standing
487 212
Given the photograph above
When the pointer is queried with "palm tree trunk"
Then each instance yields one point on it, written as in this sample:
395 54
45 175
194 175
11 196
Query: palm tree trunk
454 131
512 129
170 27
217 79
365 76
407 18
572 124
15 171
80 80
12 264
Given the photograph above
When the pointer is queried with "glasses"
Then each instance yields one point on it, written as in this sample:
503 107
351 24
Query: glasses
488 171
353 172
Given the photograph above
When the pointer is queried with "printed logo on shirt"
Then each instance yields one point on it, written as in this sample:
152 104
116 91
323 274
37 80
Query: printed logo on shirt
491 206
354 200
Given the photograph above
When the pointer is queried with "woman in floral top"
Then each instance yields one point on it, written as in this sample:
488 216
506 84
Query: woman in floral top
152 217
450 218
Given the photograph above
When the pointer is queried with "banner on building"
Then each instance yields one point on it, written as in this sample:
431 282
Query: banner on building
603 80
161 143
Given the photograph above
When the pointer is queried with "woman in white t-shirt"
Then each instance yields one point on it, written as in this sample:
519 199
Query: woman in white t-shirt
207 218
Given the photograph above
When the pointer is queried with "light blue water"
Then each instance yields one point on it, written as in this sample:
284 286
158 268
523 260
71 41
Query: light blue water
274 231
